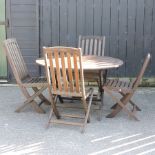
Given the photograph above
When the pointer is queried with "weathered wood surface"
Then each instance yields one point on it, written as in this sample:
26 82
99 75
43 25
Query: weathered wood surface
92 62
23 78
127 90
64 73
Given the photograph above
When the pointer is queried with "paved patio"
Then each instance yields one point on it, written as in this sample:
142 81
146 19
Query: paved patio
25 133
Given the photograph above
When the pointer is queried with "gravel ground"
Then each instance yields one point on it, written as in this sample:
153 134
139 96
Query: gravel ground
25 133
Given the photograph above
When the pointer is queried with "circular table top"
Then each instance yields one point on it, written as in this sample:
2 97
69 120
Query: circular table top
92 62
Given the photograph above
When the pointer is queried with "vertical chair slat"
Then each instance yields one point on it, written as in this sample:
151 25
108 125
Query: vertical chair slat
91 46
18 61
80 41
82 86
114 82
13 58
95 46
64 71
99 47
58 69
24 69
83 46
70 72
76 72
103 46
52 71
87 47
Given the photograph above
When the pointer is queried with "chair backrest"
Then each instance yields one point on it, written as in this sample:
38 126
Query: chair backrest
142 71
64 70
15 59
92 45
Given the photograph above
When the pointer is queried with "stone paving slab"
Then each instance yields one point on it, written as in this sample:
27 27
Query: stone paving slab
25 133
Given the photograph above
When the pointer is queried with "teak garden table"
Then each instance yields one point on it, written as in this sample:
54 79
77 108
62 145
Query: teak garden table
92 62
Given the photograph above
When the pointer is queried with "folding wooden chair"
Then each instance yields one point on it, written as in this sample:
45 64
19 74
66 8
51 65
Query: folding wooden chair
92 45
65 78
127 90
23 79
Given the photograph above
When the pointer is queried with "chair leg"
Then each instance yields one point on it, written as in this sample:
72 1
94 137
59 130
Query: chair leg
85 108
56 98
41 96
103 77
130 101
53 104
101 107
88 111
115 105
21 107
122 103
30 100
50 117
34 106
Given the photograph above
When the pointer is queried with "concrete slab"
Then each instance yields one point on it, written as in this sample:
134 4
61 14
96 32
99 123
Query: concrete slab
25 133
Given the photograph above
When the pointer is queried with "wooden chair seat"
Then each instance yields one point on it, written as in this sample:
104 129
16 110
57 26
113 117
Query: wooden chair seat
35 82
71 94
120 86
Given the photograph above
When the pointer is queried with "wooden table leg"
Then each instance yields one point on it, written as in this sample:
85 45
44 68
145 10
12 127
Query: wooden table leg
103 76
